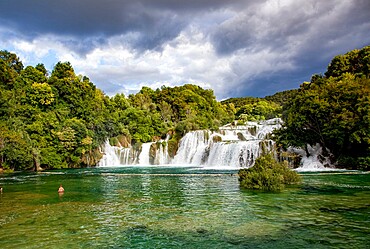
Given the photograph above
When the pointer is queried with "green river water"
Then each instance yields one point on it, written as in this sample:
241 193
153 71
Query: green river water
180 207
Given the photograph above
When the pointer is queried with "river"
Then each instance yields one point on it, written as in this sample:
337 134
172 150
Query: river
181 207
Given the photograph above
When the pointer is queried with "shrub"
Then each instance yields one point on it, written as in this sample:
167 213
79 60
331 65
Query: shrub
267 174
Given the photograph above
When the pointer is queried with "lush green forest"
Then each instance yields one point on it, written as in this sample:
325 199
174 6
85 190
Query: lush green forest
59 119
333 110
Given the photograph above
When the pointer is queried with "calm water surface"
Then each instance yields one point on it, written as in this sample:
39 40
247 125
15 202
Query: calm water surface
162 207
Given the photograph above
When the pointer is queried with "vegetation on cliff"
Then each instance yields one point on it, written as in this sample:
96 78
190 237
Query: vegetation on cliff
334 111
59 119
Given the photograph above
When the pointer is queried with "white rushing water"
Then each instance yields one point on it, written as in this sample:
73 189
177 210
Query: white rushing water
114 155
232 147
312 161
144 155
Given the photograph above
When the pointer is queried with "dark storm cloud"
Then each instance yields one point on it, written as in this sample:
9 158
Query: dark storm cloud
277 28
151 21
90 19
307 33
276 44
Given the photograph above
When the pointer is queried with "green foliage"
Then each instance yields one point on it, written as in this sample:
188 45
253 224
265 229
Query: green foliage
61 120
240 102
255 109
15 146
356 62
41 94
333 111
356 163
260 110
282 98
10 67
267 174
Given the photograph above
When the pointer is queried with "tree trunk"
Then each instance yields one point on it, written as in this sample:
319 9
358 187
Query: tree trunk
36 160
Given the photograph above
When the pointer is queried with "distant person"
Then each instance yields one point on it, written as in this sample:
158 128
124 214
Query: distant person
1 189
61 189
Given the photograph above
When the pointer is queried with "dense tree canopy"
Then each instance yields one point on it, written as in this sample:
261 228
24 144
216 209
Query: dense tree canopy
60 120
334 111
255 109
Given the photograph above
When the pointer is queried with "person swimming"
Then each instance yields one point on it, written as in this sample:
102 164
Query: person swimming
61 189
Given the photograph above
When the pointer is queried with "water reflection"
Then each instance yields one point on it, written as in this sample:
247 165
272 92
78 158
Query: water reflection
167 208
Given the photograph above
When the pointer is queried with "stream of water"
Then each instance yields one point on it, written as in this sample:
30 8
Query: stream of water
180 207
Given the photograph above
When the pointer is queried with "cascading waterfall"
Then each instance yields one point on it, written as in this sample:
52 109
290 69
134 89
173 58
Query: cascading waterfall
161 156
233 147
115 156
192 148
144 158
312 162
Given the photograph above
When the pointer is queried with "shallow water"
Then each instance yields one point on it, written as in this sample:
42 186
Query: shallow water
180 207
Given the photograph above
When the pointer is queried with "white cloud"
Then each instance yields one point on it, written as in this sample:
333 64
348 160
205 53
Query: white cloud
189 58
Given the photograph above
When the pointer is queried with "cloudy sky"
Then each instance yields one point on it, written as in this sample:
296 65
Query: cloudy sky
235 47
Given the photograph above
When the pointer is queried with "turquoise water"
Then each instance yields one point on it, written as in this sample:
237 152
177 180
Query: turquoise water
163 207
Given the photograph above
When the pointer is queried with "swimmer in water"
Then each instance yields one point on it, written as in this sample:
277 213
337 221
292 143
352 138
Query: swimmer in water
61 189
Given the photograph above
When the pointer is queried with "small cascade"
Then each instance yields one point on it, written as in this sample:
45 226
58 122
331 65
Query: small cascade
235 155
115 156
192 148
144 157
161 156
312 161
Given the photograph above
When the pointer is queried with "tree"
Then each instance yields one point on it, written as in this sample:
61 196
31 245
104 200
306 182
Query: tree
356 62
41 94
334 112
15 148
10 67
259 110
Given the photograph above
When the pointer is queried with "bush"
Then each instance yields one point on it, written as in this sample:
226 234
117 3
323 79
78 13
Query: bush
267 174
354 163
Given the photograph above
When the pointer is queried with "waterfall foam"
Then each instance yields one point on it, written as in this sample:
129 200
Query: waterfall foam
144 158
232 147
114 155
312 161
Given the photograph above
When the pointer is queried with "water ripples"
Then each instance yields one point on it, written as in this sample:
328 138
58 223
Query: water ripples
167 208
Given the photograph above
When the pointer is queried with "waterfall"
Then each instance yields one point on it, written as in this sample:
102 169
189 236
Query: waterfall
234 155
192 147
144 158
162 156
312 161
232 147
115 156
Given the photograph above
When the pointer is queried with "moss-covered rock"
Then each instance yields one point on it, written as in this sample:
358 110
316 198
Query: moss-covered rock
172 146
216 139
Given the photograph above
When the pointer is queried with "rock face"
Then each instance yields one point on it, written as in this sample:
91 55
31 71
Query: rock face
92 158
